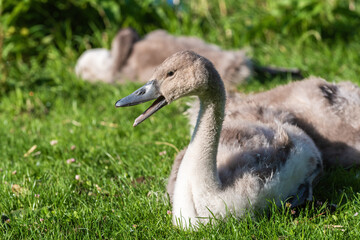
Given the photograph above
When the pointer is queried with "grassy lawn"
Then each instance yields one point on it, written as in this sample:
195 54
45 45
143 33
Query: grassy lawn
72 166
115 185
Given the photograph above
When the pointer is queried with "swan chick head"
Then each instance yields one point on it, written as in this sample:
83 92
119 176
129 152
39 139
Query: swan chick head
184 73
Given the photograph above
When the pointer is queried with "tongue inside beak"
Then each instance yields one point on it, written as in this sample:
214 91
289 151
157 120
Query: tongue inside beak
157 104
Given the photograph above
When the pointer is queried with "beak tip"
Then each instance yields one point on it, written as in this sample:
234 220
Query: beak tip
136 122
118 104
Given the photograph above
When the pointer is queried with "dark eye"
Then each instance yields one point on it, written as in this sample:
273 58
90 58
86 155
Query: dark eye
169 74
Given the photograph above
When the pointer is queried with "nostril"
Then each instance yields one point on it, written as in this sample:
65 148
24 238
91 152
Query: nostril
140 92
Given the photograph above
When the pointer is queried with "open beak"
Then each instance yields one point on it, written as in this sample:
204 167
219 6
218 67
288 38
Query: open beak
146 93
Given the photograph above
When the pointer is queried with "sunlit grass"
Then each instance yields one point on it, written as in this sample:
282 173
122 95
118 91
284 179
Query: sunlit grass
102 178
72 166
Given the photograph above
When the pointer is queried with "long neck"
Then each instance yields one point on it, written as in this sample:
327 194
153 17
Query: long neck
121 48
197 180
116 55
202 150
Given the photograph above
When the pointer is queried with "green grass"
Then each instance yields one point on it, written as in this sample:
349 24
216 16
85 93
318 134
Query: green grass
115 188
123 170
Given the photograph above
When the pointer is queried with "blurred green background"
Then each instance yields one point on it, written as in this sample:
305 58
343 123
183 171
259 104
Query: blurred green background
39 30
